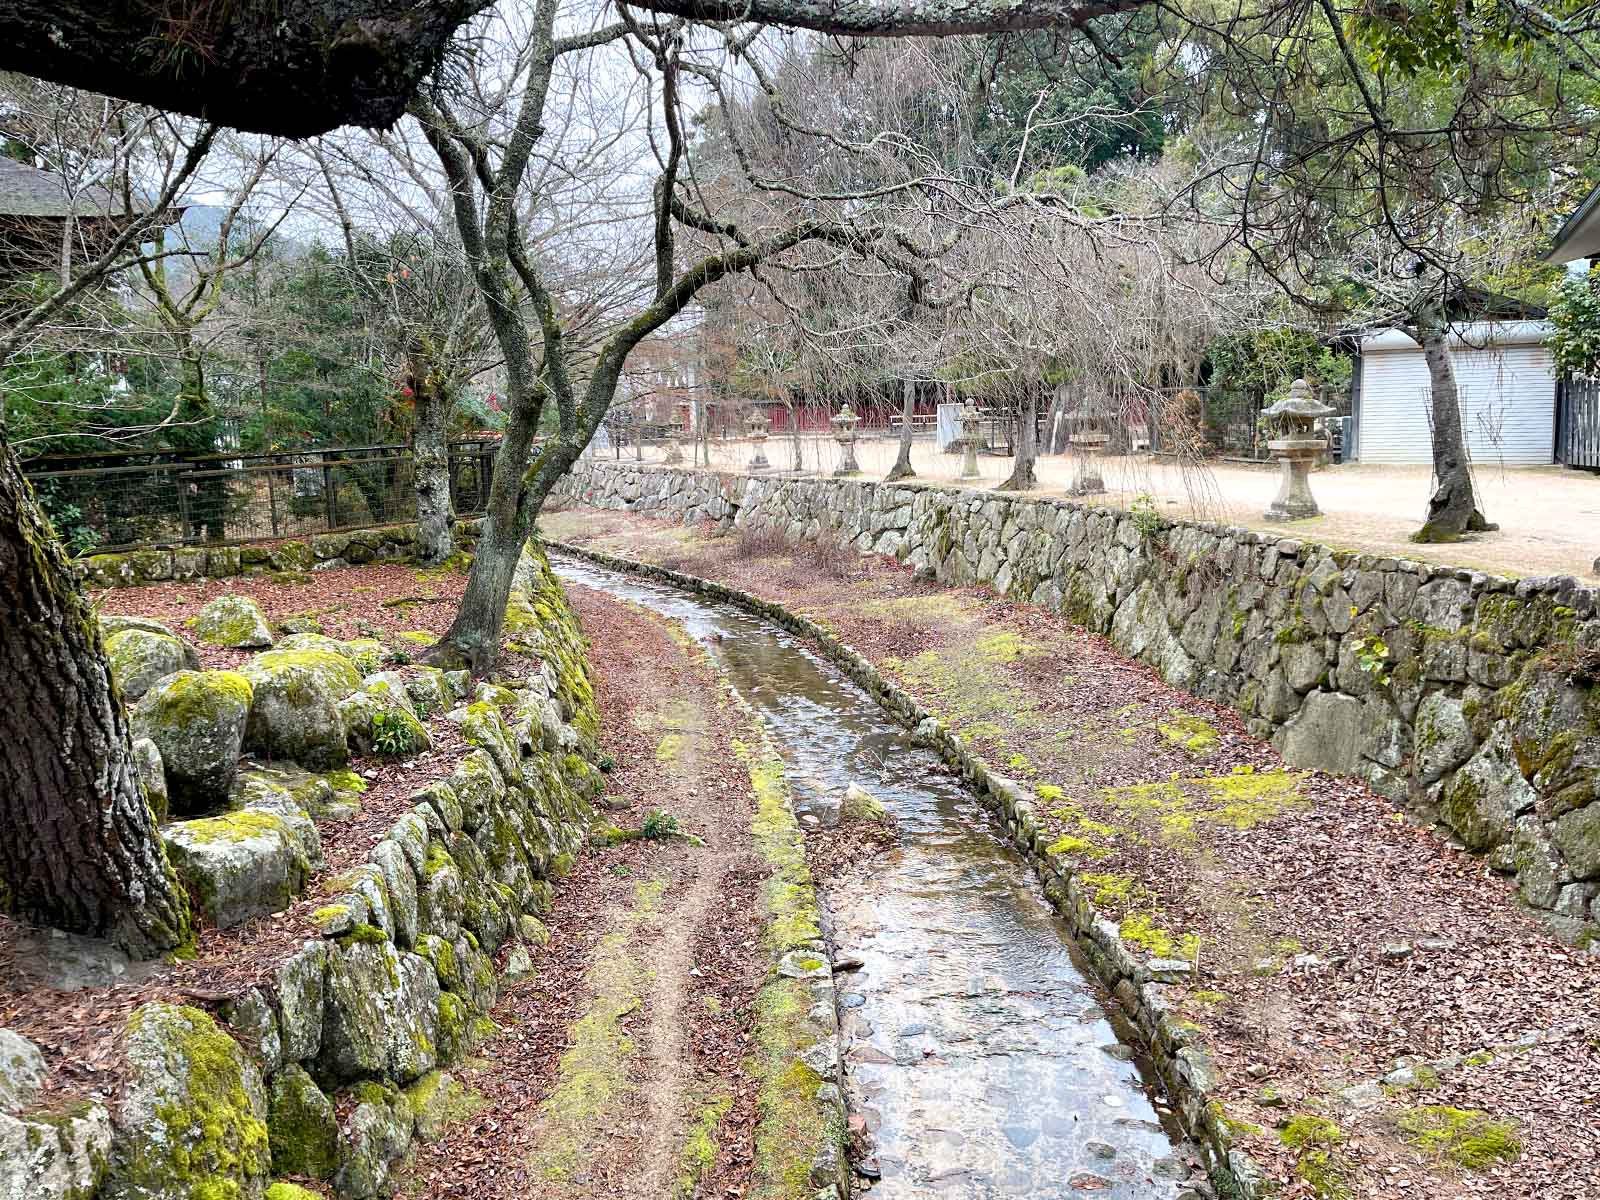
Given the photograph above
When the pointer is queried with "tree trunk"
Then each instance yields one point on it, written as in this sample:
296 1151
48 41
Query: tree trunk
195 436
80 850
902 468
1453 508
517 491
1022 477
1055 423
295 68
431 459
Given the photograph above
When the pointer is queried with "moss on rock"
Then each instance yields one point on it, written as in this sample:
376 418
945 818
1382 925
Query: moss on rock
192 1117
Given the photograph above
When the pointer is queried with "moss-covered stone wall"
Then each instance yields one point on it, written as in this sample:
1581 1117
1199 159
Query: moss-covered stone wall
132 568
1466 698
339 1057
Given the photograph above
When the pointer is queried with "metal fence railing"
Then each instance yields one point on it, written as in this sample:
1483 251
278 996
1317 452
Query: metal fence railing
245 497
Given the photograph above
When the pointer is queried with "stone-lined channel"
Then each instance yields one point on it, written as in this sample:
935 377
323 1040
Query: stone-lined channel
976 1048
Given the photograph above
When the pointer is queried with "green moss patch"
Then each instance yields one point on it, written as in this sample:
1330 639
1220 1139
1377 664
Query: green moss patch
1316 1141
1467 1137
1242 799
1188 731
699 1152
592 1076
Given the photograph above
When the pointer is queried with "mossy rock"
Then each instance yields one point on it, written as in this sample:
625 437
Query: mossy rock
372 1141
380 719
861 806
235 622
1483 799
295 714
63 1154
322 656
112 624
192 1116
140 657
197 721
366 653
381 1012
301 1126
238 865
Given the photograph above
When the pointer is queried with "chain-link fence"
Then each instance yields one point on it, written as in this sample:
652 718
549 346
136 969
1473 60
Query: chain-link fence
154 500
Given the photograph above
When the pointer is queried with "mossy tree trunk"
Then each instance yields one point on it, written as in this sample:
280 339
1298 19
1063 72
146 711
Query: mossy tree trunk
80 850
195 435
1453 507
431 456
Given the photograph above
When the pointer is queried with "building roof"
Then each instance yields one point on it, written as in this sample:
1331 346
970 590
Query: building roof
1579 235
1471 335
29 192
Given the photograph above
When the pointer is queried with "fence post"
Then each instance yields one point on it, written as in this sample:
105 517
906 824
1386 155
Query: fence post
330 499
179 475
272 494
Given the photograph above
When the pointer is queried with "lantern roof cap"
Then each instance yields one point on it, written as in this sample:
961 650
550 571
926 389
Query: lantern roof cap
1300 403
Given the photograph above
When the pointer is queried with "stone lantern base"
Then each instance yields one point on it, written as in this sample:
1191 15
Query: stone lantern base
848 464
1294 501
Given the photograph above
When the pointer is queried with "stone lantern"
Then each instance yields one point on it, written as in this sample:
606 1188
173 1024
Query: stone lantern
758 424
845 426
674 447
1296 445
971 435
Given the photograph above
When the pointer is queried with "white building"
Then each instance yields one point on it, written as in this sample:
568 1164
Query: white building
1507 386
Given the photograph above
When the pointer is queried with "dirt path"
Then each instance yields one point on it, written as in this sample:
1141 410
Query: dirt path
618 1064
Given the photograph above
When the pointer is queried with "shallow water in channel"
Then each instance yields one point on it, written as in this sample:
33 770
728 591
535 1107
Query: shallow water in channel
976 1047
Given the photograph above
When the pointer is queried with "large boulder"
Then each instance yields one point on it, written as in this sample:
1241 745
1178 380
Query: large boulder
301 1126
239 865
1555 736
323 657
1577 836
373 1139
381 1011
112 624
139 657
192 1117
298 986
196 720
295 714
233 621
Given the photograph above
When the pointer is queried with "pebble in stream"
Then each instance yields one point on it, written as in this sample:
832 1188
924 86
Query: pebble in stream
979 1060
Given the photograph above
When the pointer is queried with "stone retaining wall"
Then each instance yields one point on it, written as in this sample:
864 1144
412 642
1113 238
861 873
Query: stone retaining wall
324 551
1140 984
339 1056
1464 697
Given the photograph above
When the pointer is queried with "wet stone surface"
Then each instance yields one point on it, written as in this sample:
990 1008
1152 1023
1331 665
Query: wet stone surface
980 1061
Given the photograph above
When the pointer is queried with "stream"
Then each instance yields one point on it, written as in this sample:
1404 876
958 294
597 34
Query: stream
977 1047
